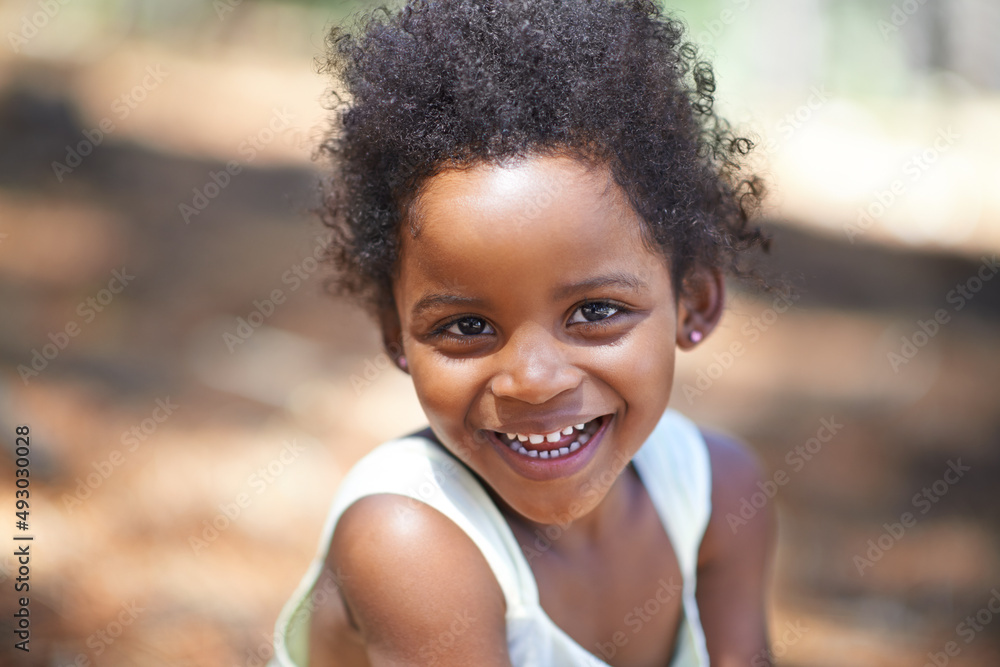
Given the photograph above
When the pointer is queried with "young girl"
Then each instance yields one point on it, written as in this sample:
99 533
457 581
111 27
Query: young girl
537 202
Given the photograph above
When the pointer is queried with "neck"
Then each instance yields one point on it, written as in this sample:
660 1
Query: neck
587 532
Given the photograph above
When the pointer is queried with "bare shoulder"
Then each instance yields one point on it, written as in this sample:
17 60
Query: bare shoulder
414 588
735 555
731 457
737 475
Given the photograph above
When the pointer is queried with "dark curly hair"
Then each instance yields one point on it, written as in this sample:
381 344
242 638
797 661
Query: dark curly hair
451 83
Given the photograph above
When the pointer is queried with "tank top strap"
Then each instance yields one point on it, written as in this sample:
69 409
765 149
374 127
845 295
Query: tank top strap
674 466
425 472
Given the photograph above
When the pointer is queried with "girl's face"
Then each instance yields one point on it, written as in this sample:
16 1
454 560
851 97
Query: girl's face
529 305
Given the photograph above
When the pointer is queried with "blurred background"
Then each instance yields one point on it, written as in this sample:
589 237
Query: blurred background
193 396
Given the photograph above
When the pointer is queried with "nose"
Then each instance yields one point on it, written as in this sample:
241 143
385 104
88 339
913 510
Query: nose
532 367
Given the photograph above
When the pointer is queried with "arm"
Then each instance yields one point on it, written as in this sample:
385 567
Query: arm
734 560
416 588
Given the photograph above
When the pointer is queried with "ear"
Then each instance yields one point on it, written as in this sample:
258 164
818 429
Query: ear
699 305
392 336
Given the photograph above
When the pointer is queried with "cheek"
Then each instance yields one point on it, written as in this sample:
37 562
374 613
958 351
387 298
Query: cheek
642 369
647 380
446 390
654 362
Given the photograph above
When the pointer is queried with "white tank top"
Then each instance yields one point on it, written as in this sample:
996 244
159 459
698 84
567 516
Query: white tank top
673 465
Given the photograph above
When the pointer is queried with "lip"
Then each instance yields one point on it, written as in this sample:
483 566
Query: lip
548 469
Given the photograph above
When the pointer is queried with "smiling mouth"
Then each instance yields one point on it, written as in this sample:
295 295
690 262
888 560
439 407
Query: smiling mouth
551 445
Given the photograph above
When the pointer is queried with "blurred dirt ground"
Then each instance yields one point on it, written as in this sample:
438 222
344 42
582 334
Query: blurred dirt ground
182 462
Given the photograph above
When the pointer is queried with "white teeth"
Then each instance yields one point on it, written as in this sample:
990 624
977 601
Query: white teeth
537 439
545 454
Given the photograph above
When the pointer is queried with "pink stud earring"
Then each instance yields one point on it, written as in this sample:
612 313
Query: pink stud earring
695 336
401 362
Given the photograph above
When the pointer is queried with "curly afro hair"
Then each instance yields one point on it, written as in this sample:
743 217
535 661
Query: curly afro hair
451 83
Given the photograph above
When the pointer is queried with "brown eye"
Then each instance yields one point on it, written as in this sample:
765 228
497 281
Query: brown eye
469 326
594 311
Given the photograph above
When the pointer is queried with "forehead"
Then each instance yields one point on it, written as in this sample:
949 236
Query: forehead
518 192
536 216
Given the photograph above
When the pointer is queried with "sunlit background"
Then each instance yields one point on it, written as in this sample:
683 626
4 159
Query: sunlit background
193 397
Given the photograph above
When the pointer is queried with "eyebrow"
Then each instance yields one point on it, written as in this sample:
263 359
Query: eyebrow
617 279
431 300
